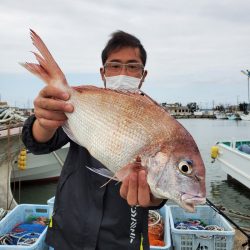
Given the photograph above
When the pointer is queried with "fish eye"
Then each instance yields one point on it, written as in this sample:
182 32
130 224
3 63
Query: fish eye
185 167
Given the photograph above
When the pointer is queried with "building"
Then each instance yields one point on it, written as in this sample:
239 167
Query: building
176 109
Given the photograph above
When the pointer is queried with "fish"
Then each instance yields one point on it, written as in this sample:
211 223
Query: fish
122 128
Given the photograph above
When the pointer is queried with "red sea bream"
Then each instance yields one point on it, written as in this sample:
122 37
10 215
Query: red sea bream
121 127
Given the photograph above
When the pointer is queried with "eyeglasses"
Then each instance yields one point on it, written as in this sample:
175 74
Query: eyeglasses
116 67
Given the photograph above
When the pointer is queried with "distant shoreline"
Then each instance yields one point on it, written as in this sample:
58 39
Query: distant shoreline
194 116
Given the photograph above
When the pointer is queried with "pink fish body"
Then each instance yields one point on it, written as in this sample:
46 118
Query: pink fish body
120 127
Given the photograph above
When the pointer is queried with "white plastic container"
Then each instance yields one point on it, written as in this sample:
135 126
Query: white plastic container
164 212
201 239
50 203
20 214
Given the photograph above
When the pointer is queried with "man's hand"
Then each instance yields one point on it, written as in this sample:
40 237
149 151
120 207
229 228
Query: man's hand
50 107
136 191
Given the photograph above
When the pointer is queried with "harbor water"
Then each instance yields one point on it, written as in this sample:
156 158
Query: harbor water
206 133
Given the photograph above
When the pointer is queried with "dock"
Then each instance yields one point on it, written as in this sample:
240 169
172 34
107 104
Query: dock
239 240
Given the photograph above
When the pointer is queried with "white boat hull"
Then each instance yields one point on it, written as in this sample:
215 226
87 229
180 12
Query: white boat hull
235 163
220 115
245 117
41 167
38 167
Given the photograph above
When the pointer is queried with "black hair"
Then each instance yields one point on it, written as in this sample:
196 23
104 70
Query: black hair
121 39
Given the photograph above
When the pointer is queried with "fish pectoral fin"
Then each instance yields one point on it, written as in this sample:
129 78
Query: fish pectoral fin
127 170
120 175
103 172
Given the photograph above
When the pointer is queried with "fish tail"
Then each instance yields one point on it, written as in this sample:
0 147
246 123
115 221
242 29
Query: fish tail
47 69
37 70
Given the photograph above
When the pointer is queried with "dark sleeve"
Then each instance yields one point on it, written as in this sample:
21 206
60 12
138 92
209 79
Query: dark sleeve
159 206
56 142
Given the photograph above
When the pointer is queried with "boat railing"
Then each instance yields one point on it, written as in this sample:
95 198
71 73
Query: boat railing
236 144
235 151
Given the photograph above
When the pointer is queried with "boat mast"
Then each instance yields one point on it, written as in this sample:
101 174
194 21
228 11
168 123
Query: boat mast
247 73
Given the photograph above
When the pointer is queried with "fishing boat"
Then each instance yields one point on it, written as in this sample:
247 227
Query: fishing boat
26 166
234 158
16 165
233 116
220 115
245 117
46 167
199 113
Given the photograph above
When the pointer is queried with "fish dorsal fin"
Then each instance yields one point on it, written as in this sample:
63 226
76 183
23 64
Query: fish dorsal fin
82 88
125 90
150 99
132 92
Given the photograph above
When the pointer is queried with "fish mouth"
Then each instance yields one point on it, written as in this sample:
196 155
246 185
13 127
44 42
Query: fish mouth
189 201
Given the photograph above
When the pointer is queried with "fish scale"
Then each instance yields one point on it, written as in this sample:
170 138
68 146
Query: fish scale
100 133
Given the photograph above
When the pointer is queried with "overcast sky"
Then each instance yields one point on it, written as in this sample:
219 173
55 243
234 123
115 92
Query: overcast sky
196 48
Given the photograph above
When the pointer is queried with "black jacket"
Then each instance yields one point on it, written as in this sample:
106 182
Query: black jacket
87 216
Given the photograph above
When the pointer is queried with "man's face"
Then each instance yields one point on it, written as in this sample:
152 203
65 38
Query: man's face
124 56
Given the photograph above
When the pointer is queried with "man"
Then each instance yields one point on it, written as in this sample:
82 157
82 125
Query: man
86 216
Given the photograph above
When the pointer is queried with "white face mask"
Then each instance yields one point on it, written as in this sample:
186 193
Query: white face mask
122 82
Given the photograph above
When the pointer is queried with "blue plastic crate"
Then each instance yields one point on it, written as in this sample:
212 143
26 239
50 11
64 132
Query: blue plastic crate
201 239
18 215
164 211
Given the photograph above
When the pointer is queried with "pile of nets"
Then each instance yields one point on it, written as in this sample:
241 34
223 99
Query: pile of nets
196 224
155 229
25 233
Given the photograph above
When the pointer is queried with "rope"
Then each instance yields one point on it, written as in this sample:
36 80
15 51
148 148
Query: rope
216 209
233 212
9 152
9 158
20 146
